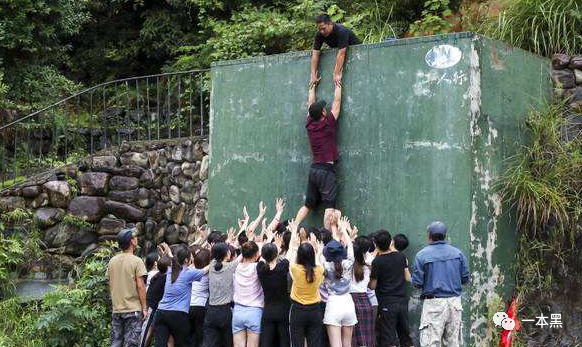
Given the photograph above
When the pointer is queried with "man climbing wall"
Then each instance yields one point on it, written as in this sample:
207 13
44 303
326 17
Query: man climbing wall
335 36
321 126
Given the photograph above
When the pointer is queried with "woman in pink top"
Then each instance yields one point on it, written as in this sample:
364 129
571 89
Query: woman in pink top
248 299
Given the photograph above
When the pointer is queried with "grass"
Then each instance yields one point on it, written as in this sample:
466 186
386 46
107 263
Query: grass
544 27
543 183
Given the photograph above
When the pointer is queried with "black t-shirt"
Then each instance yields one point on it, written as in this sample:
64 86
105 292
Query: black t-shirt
274 282
156 290
388 271
340 37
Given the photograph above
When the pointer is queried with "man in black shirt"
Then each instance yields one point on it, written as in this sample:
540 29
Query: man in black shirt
335 36
388 277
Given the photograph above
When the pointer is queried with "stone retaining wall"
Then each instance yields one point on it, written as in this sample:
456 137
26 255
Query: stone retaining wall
158 186
567 79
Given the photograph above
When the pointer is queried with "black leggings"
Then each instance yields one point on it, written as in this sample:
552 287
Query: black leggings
218 326
305 322
196 325
275 325
173 323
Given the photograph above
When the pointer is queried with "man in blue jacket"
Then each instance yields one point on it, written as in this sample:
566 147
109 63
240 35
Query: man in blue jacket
440 270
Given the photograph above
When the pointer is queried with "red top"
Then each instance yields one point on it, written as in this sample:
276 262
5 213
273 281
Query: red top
322 139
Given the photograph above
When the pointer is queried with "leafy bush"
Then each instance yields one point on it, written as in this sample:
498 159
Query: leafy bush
75 316
544 27
433 19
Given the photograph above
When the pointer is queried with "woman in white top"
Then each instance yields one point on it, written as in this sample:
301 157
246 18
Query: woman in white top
340 313
363 334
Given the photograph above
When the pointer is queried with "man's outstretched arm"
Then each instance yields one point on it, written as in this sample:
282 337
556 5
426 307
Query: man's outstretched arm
312 87
339 65
337 101
314 65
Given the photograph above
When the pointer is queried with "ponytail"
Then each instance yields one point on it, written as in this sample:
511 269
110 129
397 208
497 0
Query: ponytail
181 254
362 244
309 273
339 269
306 257
218 253
176 268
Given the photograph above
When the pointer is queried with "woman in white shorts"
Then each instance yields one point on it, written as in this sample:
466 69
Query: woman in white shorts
340 312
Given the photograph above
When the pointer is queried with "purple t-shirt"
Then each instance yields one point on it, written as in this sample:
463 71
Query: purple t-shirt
322 139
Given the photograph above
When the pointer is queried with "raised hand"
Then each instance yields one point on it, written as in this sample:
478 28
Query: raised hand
278 241
279 205
230 235
292 226
244 223
262 209
313 241
354 232
164 249
314 80
343 224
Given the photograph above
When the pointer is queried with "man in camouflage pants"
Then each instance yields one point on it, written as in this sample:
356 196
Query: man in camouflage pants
127 288
440 270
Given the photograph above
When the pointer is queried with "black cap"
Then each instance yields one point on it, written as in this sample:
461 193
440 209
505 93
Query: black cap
124 237
316 109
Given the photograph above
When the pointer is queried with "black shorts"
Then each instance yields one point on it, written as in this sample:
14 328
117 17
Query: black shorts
393 323
322 186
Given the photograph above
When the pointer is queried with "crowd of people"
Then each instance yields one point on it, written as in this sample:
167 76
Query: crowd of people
286 285
290 285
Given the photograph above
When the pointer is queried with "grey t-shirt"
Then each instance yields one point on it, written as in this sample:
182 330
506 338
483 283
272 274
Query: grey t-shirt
221 283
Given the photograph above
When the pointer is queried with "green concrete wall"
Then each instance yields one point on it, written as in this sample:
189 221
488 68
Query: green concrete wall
416 144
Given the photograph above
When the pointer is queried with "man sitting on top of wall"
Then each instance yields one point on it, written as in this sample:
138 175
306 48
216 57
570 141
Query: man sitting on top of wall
321 126
335 36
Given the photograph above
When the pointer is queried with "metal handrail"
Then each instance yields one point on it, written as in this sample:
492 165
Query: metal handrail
168 105
96 87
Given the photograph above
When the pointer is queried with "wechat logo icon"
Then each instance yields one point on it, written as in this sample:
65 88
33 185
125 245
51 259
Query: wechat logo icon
501 319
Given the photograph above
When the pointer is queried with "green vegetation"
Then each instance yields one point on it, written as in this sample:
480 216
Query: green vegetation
64 317
51 49
544 185
433 19
19 250
76 222
544 27
77 315
11 182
